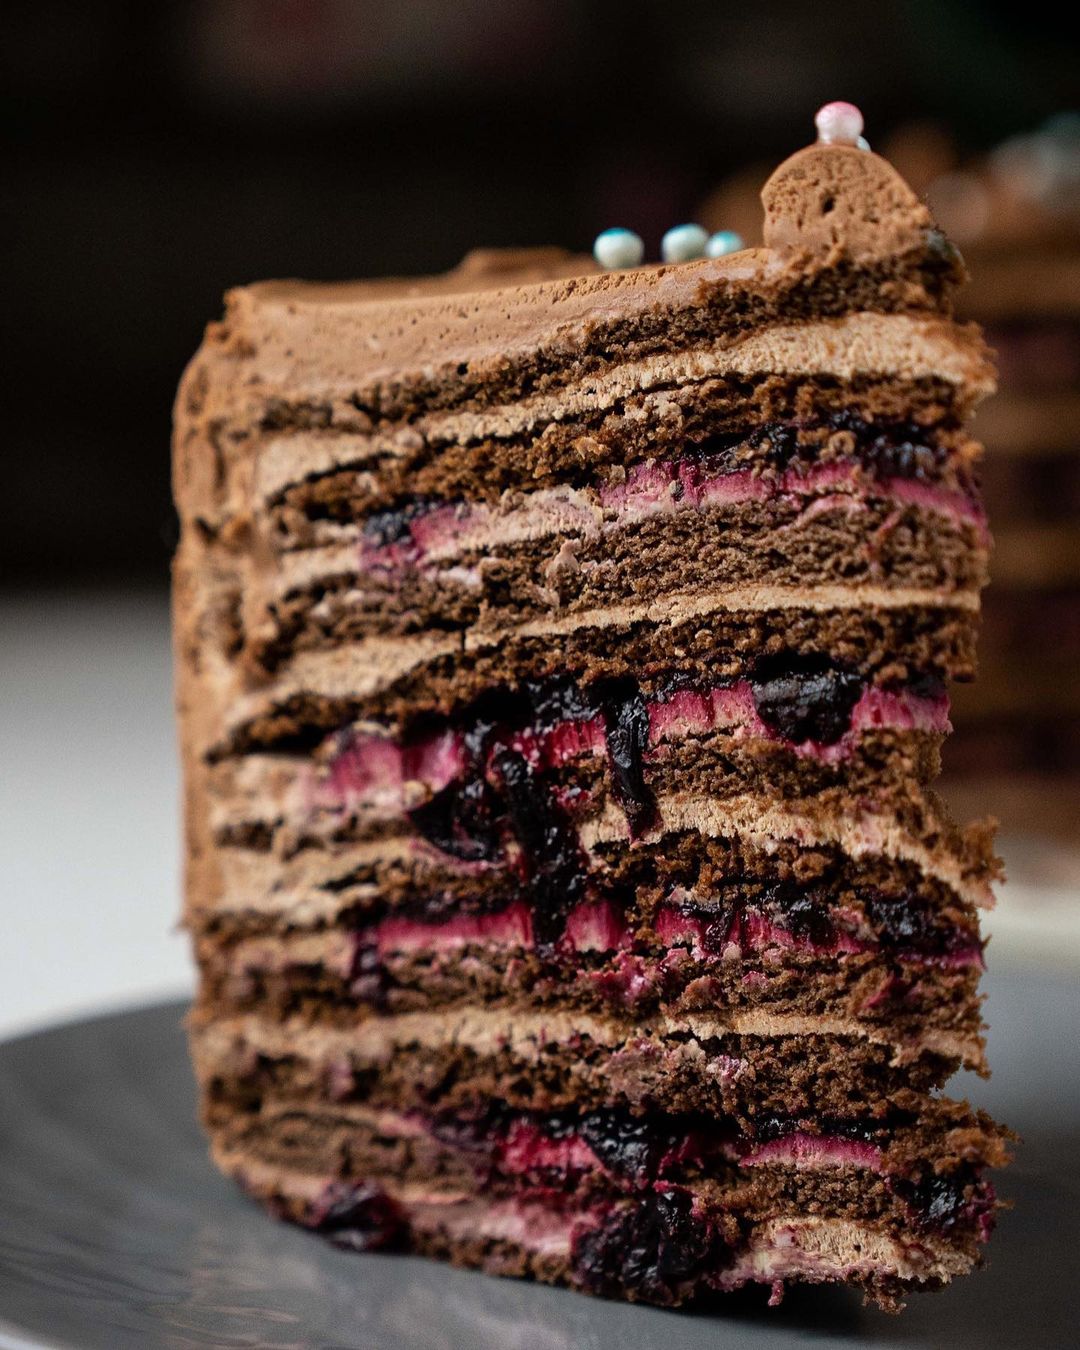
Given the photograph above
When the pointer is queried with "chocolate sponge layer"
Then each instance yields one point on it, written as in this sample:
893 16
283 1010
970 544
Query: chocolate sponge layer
700 639
489 588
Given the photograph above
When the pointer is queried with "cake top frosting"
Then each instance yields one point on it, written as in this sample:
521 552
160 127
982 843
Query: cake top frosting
823 199
830 206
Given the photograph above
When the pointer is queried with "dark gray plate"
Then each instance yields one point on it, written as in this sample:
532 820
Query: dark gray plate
115 1232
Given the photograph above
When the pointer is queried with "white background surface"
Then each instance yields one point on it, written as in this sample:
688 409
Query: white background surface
89 819
89 831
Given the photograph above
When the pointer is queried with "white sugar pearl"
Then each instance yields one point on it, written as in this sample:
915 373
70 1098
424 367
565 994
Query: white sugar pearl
722 242
618 248
683 243
839 124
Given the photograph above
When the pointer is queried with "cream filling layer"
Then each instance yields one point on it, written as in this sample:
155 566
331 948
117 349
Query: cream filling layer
856 346
818 1249
864 835
866 346
528 1034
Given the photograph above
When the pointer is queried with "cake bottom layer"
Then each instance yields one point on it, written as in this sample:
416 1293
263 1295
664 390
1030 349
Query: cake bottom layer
921 1162
665 1245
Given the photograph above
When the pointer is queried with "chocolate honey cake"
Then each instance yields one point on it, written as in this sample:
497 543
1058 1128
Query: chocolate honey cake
564 662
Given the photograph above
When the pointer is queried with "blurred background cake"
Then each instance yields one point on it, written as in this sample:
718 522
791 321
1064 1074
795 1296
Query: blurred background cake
1015 213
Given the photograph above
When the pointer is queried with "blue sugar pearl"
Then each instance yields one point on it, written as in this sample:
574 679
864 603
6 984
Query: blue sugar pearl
723 241
618 248
683 243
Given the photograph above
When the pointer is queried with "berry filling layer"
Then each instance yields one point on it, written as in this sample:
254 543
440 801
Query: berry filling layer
554 1157
684 929
631 1150
484 788
812 708
874 462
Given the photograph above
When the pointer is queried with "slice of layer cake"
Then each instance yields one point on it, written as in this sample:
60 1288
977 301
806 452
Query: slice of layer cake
564 661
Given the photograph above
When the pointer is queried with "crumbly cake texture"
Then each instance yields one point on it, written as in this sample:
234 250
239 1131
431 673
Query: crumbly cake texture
563 667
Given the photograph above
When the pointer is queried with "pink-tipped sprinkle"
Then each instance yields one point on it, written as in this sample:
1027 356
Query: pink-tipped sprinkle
839 124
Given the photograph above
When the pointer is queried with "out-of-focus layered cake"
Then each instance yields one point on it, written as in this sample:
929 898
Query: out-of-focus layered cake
564 660
1016 215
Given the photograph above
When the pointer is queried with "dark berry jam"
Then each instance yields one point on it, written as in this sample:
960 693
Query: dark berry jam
550 855
649 1249
393 526
626 719
882 449
361 1218
903 924
805 699
631 1147
907 923
767 1128
503 808
940 1201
